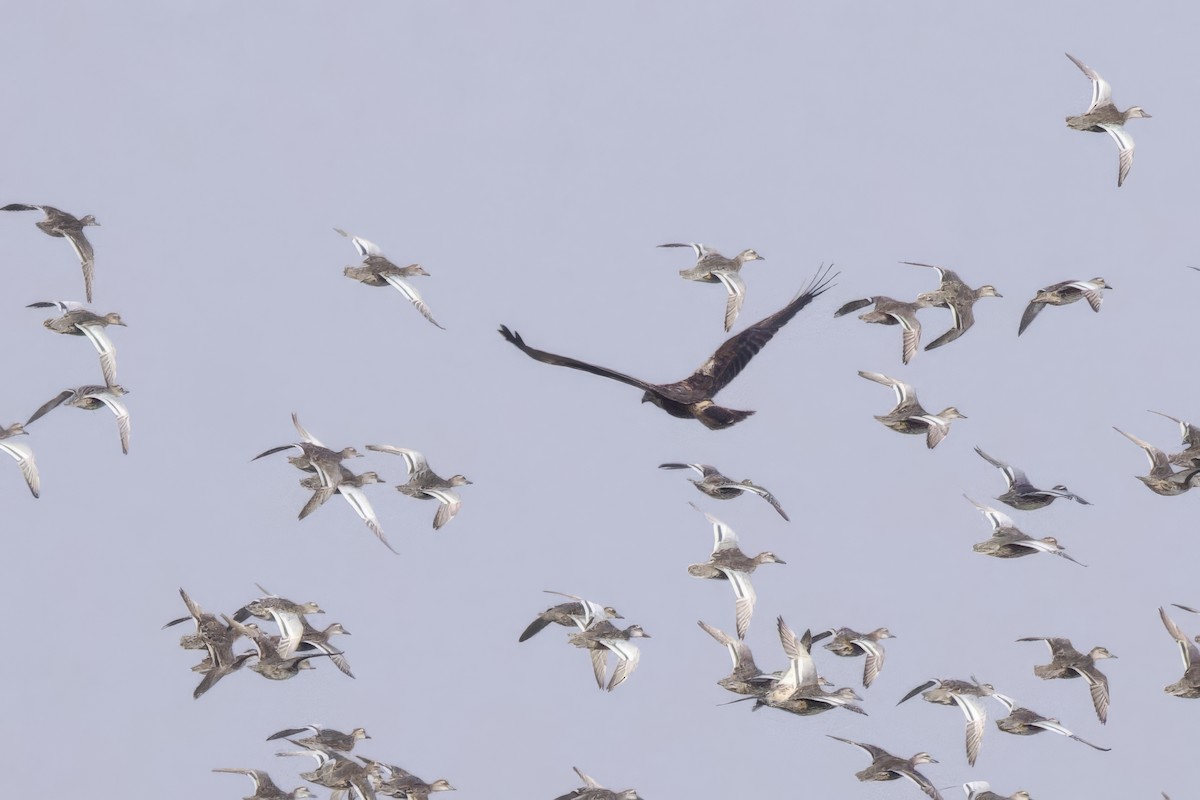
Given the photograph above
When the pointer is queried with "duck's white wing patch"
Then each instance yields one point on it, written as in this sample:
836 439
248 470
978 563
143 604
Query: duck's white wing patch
599 665
973 710
364 247
122 414
743 598
936 429
304 434
628 655
998 519
874 662
24 456
1125 148
1090 293
724 536
357 499
1101 91
104 346
291 630
737 294
405 288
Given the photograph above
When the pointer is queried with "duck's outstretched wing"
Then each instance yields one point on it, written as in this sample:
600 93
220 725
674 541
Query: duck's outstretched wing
50 405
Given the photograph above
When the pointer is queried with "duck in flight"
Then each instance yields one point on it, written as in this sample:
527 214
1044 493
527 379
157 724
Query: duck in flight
64 225
1102 117
692 397
712 267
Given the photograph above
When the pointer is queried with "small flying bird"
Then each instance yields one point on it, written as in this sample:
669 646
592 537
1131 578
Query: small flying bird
377 270
1023 495
1103 117
425 484
1067 662
712 267
591 790
955 295
23 455
91 398
887 767
1009 541
61 224
1189 685
909 416
599 639
968 696
719 487
1163 479
746 677
1023 722
265 788
401 783
78 321
849 643
1062 294
323 738
568 614
692 397
728 562
888 311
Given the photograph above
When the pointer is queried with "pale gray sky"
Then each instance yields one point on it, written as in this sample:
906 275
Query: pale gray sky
531 156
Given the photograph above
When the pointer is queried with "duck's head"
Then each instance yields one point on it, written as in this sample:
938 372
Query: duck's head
15 429
310 608
636 632
882 633
769 558
987 290
302 793
416 269
924 758
927 299
1100 283
90 220
950 412
847 694
1136 112
611 613
459 480
749 255
113 318
332 630
359 733
349 452
441 785
1101 652
370 477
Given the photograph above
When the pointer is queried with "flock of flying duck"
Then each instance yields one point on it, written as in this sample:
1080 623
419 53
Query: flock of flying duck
797 689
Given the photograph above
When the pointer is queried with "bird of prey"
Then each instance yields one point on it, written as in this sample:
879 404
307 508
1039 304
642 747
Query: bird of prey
692 397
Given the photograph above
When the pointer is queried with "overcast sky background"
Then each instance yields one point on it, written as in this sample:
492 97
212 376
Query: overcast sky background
531 156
